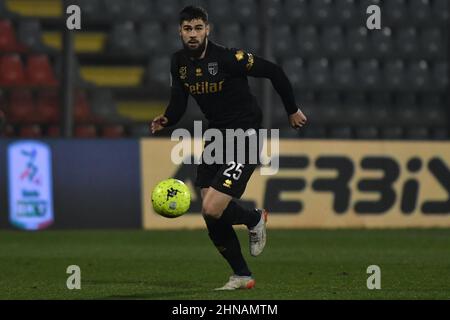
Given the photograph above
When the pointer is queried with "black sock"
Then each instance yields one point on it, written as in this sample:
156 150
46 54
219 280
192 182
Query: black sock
234 214
224 238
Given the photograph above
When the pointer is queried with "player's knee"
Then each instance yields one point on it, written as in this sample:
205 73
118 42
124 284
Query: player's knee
211 210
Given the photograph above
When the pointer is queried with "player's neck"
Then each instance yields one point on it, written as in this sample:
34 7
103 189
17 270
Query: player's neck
204 51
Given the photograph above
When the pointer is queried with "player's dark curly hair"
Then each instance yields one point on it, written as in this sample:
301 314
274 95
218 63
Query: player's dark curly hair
190 13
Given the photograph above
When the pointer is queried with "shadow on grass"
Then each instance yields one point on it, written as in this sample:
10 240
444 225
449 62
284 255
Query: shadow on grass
160 289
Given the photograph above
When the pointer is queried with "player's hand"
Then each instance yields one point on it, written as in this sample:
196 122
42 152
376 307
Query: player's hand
158 123
297 120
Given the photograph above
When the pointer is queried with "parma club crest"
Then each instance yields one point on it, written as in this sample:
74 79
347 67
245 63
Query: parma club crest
213 68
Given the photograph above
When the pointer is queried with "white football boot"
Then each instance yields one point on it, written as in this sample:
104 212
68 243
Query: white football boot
257 234
238 282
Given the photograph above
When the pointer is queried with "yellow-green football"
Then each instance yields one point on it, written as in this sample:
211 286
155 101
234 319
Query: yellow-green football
171 198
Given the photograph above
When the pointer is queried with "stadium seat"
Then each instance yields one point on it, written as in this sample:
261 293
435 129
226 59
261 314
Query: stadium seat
432 42
158 70
12 71
93 10
369 73
172 42
29 33
167 10
5 12
113 131
420 10
77 78
284 40
151 38
53 131
296 10
418 75
321 10
344 73
85 131
392 133
380 115
39 71
82 110
307 39
440 10
417 133
104 106
245 11
47 107
21 106
441 133
252 40
355 115
123 38
345 10
330 107
434 114
8 41
383 98
117 9
319 72
230 35
354 109
357 41
274 10
9 131
395 11
219 14
315 132
440 74
407 41
394 74
407 115
139 10
140 130
366 133
201 3
30 131
332 40
382 42
341 132
295 71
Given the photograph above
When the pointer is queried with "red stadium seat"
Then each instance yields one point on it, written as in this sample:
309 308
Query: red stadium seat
8 41
30 131
85 131
11 70
21 107
113 131
54 131
47 107
39 71
82 109
8 131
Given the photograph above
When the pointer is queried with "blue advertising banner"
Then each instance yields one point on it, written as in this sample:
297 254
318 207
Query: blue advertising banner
30 185
79 184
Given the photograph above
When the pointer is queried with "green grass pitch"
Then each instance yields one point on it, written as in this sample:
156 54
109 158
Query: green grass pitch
296 264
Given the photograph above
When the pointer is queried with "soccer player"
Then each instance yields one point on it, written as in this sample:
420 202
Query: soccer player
216 77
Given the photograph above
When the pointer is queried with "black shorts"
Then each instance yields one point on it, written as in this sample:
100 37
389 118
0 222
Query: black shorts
232 175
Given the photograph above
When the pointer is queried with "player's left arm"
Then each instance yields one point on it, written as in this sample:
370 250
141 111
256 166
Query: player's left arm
243 63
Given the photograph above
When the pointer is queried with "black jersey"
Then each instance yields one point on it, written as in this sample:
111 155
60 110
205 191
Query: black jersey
218 82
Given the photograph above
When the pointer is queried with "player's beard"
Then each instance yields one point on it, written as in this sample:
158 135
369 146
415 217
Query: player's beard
197 52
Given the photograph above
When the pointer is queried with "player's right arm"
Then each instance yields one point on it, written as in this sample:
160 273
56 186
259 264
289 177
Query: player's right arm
177 103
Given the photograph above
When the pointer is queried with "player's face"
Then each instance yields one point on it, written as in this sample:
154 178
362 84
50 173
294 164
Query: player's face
193 34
